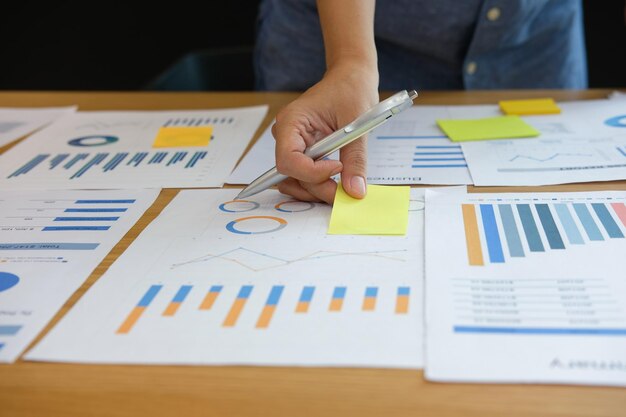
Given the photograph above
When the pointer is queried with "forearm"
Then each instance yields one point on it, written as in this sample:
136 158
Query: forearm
348 29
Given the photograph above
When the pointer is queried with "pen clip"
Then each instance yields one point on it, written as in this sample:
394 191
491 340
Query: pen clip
400 99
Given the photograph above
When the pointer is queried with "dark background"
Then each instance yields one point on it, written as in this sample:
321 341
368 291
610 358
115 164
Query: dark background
68 45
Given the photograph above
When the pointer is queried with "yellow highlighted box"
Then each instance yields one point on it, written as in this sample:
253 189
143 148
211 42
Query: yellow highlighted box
174 137
383 211
501 127
530 106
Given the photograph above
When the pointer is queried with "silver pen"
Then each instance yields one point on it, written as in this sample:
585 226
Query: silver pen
369 120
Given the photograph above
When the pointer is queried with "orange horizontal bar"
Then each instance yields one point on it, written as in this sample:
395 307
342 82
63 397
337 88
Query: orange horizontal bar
171 309
130 320
336 304
402 304
208 301
266 317
369 303
235 311
302 307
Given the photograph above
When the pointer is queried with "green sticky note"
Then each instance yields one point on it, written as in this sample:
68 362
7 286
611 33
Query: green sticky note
383 211
500 127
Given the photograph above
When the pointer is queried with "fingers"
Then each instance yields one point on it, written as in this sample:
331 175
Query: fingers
354 159
291 141
324 191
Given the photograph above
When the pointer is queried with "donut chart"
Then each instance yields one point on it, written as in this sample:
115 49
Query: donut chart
293 206
617 121
239 206
93 140
8 281
238 226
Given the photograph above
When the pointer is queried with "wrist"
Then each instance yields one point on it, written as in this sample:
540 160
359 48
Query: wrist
358 69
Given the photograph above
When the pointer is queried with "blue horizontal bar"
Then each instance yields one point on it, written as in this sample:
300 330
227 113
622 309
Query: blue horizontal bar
182 293
95 210
104 201
73 228
307 294
245 291
339 292
371 292
540 330
149 295
85 219
9 330
437 159
440 166
48 246
275 294
439 147
438 153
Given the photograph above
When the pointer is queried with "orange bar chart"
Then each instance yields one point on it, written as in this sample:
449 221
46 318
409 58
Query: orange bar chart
137 312
210 297
306 296
472 237
369 302
402 300
336 302
270 307
237 307
178 299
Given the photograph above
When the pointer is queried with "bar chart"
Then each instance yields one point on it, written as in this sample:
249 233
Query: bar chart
132 149
298 302
497 232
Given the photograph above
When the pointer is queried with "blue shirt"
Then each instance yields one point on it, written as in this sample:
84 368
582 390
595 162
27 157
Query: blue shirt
436 44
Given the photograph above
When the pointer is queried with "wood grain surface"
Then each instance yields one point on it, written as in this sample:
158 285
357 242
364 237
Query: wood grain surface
67 390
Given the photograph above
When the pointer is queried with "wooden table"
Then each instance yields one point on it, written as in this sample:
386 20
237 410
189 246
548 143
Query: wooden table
42 389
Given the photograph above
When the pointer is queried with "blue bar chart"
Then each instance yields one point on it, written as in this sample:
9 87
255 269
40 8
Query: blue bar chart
80 164
514 230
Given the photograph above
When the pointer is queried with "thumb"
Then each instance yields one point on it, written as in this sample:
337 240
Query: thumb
354 159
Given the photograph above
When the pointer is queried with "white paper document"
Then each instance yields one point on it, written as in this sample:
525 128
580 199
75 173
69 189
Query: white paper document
526 288
216 281
408 149
50 241
586 142
133 149
18 122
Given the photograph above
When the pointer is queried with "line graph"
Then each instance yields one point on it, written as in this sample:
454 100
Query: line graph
258 261
549 158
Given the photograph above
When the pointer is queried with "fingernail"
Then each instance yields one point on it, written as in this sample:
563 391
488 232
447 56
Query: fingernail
357 184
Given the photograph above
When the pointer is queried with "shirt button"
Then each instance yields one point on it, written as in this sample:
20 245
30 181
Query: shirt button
471 68
493 14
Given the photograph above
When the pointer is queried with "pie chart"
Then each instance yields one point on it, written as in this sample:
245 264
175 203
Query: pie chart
8 280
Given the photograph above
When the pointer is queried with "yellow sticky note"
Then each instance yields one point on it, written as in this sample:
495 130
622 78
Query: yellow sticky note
172 137
383 211
500 127
531 106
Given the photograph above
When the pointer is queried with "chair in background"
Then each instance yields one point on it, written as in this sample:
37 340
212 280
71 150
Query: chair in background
209 70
